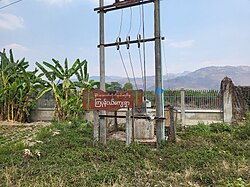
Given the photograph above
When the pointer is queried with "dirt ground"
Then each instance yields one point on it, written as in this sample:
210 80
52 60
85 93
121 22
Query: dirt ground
12 132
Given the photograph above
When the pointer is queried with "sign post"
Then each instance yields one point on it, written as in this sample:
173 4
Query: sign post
99 100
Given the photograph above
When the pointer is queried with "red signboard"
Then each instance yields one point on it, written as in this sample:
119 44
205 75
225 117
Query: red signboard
100 100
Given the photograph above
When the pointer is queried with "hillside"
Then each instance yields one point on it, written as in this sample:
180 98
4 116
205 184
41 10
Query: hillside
210 77
204 78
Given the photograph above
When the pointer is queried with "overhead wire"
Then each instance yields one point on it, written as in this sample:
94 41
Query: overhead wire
170 85
144 52
166 68
5 6
121 22
124 66
128 48
118 40
139 45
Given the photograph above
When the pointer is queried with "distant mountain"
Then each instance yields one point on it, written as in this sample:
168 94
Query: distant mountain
204 78
210 77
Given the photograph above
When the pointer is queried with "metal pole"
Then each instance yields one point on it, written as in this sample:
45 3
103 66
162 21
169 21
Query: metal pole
183 115
103 128
160 127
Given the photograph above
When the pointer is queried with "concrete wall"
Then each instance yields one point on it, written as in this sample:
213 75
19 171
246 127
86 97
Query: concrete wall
193 117
42 114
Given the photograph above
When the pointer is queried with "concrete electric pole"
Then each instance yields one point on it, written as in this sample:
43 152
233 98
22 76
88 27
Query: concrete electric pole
121 4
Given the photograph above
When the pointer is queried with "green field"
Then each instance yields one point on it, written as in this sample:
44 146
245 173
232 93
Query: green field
216 155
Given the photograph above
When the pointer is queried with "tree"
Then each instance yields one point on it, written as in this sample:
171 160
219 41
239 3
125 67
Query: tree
128 86
114 86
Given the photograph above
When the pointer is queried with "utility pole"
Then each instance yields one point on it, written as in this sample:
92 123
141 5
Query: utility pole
121 4
102 122
160 127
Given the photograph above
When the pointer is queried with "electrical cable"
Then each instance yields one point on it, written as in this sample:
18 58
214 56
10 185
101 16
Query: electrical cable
128 48
139 45
140 58
165 62
121 22
118 40
144 52
132 68
5 6
124 66
130 21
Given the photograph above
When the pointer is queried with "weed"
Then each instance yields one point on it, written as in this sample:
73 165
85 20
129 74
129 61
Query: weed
44 133
242 132
198 130
220 127
207 156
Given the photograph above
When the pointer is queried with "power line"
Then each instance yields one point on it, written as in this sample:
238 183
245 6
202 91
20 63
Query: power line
121 22
5 6
128 47
144 52
124 67
132 68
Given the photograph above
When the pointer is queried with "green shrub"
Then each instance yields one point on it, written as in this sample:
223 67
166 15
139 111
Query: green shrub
197 130
242 132
220 127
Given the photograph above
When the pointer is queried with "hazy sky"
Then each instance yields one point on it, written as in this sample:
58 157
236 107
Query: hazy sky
198 33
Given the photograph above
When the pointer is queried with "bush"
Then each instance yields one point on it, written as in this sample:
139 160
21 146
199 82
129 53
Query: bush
242 132
198 130
220 127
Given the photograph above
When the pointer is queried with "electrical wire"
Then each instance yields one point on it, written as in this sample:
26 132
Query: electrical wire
140 59
165 62
132 68
144 52
5 6
121 22
124 66
118 40
128 48
139 46
130 21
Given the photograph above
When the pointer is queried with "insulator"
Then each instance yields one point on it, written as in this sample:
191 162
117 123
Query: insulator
118 41
139 40
128 40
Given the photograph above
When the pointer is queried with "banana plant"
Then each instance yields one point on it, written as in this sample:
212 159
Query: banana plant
17 85
66 91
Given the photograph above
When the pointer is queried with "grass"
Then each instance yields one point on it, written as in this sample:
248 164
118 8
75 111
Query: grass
215 155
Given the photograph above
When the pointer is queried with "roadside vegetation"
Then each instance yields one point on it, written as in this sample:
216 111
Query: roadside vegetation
215 155
17 87
20 88
63 154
